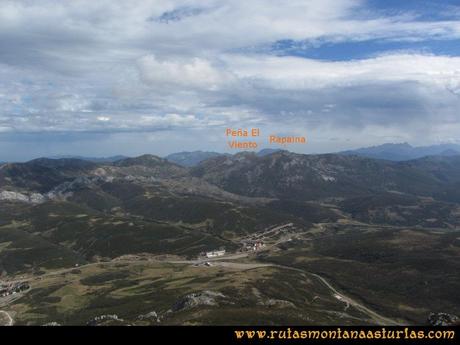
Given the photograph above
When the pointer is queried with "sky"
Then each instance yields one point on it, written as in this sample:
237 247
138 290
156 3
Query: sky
109 77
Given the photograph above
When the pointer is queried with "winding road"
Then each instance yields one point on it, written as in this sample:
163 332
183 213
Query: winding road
218 261
377 318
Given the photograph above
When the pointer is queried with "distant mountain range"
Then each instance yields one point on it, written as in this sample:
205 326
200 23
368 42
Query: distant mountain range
91 159
191 159
404 151
184 158
281 174
389 151
288 175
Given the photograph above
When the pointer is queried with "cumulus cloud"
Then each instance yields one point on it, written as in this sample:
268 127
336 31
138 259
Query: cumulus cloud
193 73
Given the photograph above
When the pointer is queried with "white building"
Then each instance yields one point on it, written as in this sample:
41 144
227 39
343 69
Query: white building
215 253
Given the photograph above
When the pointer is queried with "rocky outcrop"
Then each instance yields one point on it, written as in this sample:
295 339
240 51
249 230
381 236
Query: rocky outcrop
33 198
443 319
60 192
150 316
82 182
207 298
52 324
105 320
279 303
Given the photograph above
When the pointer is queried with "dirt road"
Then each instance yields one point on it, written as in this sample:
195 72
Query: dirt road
220 261
240 265
377 318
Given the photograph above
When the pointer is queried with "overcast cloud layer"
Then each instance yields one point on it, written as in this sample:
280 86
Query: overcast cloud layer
129 77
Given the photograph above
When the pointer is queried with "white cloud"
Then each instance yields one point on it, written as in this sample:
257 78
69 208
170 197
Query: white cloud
169 120
301 73
193 73
103 118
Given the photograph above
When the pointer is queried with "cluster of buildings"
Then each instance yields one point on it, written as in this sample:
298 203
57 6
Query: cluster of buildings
253 245
13 288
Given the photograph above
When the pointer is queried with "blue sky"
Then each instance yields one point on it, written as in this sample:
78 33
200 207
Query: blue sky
350 50
107 77
424 10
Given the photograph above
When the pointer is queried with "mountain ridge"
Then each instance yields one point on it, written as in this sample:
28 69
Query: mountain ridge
404 151
386 151
281 175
